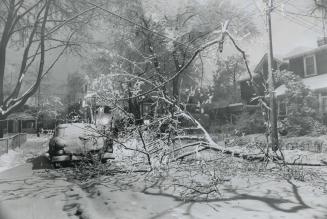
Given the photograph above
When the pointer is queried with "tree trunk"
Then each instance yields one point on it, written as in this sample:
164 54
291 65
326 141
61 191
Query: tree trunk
1 126
176 79
2 71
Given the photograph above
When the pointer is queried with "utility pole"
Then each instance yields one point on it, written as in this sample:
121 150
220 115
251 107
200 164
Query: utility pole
271 85
38 108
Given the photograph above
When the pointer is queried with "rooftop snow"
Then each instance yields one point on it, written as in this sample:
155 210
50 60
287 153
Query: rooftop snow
303 51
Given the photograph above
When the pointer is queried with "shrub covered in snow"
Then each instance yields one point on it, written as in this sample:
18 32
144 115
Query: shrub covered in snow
302 107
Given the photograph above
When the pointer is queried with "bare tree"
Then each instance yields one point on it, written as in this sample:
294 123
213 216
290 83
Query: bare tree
43 30
225 79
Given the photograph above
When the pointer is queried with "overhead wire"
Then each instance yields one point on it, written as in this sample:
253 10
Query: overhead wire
298 17
296 6
299 14
301 23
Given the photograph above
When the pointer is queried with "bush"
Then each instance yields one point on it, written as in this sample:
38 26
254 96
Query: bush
306 125
302 108
250 123
246 122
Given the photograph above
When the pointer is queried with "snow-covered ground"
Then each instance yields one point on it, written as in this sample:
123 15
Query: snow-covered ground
34 146
29 193
11 159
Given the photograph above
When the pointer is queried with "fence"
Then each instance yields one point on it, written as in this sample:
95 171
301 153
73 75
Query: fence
312 144
11 142
303 143
47 131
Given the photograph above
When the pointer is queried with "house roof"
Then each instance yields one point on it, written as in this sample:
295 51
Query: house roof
256 69
303 51
20 116
314 83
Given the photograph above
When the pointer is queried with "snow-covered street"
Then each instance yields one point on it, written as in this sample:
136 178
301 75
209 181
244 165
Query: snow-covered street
33 191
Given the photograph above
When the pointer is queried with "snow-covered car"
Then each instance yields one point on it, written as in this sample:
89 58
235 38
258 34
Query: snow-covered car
73 141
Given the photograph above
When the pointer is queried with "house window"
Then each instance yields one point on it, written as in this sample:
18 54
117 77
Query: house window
310 65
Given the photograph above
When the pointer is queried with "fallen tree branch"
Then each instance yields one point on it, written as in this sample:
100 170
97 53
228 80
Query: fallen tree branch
200 143
188 137
304 164
249 157
189 154
145 149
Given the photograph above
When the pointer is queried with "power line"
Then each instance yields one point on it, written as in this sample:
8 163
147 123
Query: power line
295 16
305 22
300 23
322 17
296 6
299 14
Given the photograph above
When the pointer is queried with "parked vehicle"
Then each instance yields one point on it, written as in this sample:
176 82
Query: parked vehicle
75 141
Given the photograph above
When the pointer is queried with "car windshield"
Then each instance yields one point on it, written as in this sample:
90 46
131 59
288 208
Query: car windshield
75 131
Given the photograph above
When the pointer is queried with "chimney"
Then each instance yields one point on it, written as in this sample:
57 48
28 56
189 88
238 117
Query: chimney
322 41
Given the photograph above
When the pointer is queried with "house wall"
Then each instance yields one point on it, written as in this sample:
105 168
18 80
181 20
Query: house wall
248 92
264 68
321 60
297 66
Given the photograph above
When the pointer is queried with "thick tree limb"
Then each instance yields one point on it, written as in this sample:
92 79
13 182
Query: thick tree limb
23 68
54 29
3 46
16 103
250 157
243 55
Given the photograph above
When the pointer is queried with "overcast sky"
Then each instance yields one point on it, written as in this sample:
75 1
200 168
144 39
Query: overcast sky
290 31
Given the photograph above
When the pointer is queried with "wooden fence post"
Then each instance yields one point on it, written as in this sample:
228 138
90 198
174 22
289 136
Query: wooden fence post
7 145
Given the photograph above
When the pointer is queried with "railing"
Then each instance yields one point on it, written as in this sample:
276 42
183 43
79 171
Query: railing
47 131
11 142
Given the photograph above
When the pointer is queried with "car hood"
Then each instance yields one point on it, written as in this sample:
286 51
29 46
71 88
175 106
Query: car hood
78 145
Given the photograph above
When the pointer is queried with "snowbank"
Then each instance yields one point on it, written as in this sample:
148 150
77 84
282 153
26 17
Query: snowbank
12 159
32 147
